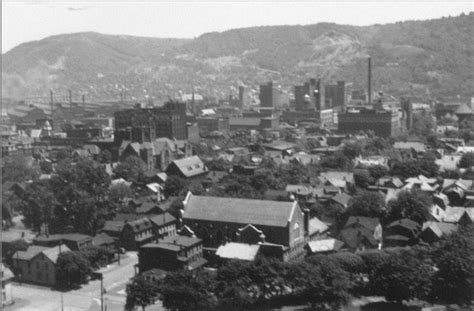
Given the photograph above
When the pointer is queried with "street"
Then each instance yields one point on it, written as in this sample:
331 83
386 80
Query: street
31 297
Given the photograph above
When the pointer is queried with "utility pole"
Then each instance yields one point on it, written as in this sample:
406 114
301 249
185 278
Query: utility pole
101 292
62 302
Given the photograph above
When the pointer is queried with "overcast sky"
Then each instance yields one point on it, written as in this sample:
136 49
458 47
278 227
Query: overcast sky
35 19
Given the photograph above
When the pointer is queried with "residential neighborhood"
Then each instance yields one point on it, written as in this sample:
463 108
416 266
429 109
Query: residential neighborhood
319 192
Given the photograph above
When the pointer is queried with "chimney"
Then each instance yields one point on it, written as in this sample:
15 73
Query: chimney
306 221
369 81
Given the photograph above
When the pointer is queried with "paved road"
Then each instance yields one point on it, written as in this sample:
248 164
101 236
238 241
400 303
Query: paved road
33 298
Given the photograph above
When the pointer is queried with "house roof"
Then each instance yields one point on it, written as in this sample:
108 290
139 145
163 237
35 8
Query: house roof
190 166
77 237
139 224
463 109
92 149
338 179
279 145
439 228
367 222
243 211
155 187
317 226
325 245
238 251
454 213
113 226
406 223
461 183
417 146
51 252
102 239
162 219
342 198
173 243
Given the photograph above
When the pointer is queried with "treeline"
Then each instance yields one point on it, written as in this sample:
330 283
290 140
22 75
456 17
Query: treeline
440 274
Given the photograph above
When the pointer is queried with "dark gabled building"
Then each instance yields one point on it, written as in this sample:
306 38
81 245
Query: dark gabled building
147 124
136 233
190 167
360 232
403 232
75 241
218 220
37 264
171 254
164 225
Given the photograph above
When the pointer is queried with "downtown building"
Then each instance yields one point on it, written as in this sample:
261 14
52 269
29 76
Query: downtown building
146 124
384 123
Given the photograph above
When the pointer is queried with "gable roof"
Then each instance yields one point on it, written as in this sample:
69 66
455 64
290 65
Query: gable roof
190 166
439 228
342 198
162 219
51 252
113 226
102 239
240 251
325 245
139 224
367 222
317 226
243 211
173 243
338 179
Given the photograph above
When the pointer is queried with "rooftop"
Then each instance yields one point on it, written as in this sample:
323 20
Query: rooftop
243 211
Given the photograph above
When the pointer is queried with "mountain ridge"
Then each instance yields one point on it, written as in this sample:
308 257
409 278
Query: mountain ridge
431 57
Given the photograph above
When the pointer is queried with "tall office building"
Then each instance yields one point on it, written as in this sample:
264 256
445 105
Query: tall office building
270 96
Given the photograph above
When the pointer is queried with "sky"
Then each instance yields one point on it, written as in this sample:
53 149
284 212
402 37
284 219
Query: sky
24 21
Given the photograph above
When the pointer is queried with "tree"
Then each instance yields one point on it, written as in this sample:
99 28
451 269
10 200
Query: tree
453 281
18 169
119 191
337 161
38 205
72 269
362 178
141 292
414 167
188 290
412 204
403 276
378 171
175 185
105 156
352 150
325 285
367 204
132 169
467 160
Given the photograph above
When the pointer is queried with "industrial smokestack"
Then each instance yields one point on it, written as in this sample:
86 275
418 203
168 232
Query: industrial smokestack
70 98
51 101
83 102
369 81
